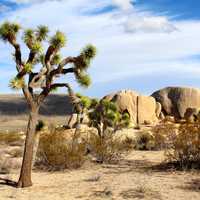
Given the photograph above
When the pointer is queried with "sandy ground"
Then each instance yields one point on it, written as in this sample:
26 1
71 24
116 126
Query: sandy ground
132 178
19 123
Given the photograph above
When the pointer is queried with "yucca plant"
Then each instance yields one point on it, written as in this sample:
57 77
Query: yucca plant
105 115
51 66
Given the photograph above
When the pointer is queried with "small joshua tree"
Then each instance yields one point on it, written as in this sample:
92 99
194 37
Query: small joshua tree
106 115
52 66
107 119
83 106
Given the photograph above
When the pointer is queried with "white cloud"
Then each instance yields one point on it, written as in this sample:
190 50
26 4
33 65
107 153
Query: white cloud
123 4
149 24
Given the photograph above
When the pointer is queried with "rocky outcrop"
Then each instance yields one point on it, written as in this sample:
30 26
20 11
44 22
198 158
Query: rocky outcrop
126 100
176 100
142 109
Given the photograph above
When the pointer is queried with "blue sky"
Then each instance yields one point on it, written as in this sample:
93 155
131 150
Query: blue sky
143 45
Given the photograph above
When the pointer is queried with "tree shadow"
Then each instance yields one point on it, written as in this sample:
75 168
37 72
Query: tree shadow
8 182
193 185
173 166
128 166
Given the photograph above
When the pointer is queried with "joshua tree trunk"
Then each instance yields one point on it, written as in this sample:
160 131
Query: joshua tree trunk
25 174
35 148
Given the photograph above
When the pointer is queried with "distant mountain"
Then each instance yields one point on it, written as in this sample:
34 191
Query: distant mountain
58 105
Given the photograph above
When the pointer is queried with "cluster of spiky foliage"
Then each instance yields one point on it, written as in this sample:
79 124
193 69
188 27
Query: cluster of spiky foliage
107 113
83 80
58 40
16 83
56 59
33 39
88 53
8 31
28 67
86 102
82 63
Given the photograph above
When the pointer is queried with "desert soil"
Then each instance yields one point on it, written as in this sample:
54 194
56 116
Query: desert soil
134 177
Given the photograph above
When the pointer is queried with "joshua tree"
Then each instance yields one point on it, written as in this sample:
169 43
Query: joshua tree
52 66
83 106
105 114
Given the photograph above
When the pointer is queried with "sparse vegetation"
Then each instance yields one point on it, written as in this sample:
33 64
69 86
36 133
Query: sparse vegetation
185 147
10 138
56 152
145 141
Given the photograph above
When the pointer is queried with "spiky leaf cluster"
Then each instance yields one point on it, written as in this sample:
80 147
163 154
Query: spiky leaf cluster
58 40
84 60
89 51
37 47
84 80
40 125
28 37
17 83
107 113
28 67
33 38
56 59
42 33
9 31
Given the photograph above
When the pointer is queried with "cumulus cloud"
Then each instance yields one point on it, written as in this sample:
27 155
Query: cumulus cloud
123 4
149 25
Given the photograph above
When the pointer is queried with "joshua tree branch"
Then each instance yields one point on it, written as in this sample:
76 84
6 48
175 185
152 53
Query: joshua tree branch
17 53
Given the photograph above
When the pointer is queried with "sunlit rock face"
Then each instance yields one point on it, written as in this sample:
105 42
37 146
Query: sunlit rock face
142 109
176 100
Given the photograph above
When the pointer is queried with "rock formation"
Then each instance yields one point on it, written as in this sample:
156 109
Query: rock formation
176 100
142 109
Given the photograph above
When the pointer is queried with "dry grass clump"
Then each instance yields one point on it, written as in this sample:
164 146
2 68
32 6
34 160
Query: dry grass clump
185 147
105 149
55 152
141 192
145 141
181 143
164 135
10 138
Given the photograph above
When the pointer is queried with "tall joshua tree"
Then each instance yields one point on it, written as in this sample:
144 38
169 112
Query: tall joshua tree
52 66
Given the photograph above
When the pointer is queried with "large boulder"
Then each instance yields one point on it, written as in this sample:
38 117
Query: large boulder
126 100
176 100
142 109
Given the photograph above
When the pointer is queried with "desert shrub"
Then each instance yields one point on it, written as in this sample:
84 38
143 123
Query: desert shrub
185 147
56 152
10 138
164 135
105 149
15 153
127 144
40 125
144 141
